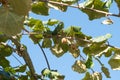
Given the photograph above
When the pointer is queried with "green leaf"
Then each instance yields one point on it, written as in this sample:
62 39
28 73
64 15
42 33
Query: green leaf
38 26
5 51
75 28
10 23
106 71
20 7
79 66
46 43
37 29
3 38
10 70
21 68
36 38
52 22
40 8
114 62
118 3
89 62
31 22
98 5
59 27
108 3
23 77
35 25
4 62
72 31
102 38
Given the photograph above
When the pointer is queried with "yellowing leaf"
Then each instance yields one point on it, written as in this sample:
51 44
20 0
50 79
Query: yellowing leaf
10 23
106 72
106 51
83 43
95 49
115 61
107 22
45 72
79 66
57 50
96 76
73 49
52 74
87 76
46 43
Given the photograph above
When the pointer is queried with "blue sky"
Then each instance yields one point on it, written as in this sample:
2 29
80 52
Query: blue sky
63 64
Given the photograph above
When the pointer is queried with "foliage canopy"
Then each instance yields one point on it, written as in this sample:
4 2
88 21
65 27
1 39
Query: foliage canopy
15 22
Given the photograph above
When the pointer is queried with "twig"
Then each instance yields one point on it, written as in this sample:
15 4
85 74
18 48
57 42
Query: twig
74 6
98 61
92 70
82 57
44 56
21 50
113 47
17 59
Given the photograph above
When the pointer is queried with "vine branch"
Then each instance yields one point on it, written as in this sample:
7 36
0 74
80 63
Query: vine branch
79 7
23 52
98 61
48 65
30 33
